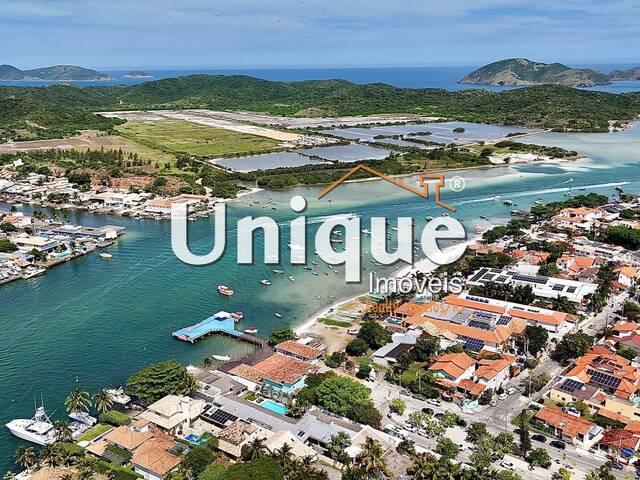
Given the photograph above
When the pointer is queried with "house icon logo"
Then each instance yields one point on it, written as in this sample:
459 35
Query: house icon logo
423 192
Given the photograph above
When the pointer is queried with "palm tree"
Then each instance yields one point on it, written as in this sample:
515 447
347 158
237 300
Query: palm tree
86 467
190 384
62 430
254 450
77 401
284 455
50 456
25 457
206 363
338 443
103 400
371 460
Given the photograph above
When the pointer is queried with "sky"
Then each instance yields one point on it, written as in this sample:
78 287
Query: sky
169 34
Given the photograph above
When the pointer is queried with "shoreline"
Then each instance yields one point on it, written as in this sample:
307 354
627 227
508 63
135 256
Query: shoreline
425 265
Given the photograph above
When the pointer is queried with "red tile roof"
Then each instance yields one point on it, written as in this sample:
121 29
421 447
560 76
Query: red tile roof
569 425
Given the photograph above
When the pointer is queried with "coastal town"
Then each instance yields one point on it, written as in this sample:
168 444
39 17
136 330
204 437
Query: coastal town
533 371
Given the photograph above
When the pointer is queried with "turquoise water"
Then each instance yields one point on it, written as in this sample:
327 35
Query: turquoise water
89 323
274 406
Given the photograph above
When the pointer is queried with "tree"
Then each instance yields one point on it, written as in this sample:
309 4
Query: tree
25 457
374 334
631 310
157 380
254 450
357 347
337 447
207 363
562 474
398 406
364 369
371 460
603 472
261 469
103 400
62 430
447 448
51 456
476 432
486 396
538 382
539 457
284 456
197 458
563 304
77 401
525 439
425 347
214 471
335 359
7 247
536 337
280 335
574 345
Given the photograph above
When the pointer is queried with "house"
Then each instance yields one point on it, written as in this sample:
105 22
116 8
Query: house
172 412
627 275
18 219
153 459
570 428
277 374
233 437
400 343
162 206
453 368
298 448
26 243
620 445
493 372
299 350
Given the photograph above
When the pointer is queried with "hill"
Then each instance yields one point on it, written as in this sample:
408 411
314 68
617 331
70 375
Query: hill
520 71
54 73
630 74
54 111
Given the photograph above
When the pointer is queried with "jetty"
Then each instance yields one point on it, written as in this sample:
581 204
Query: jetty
222 323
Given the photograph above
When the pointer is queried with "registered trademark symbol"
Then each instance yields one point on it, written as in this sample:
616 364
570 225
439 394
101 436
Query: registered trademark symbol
456 183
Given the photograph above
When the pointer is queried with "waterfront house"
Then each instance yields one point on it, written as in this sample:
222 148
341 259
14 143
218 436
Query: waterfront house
233 437
570 428
172 413
153 459
26 243
299 350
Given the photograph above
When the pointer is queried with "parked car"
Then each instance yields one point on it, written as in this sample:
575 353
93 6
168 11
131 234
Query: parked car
502 396
539 438
558 444
507 464
427 410
493 403
434 401
511 391
616 465
517 431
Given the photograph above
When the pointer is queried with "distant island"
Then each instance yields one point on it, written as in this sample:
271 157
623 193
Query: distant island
137 74
54 73
521 71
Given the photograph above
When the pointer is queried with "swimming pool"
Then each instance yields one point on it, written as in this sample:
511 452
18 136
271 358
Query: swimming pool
274 406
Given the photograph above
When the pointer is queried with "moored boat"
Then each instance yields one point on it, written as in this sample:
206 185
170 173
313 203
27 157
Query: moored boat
275 270
224 290
38 430
277 315
292 278
265 282
251 330
105 255
222 358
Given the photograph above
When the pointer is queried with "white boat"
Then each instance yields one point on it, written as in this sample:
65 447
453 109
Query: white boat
251 330
222 358
428 218
278 315
224 290
265 282
275 270
118 396
508 202
292 278
479 228
31 272
105 255
38 430
445 214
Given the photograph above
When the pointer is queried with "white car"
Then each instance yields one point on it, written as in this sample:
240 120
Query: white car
511 391
434 401
502 396
507 464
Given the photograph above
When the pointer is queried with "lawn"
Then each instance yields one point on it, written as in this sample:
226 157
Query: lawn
181 137
335 323
94 433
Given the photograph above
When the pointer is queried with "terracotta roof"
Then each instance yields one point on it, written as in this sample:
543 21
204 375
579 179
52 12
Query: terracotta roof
628 271
555 318
282 369
488 369
472 387
613 415
626 327
499 336
465 302
583 262
569 425
237 432
127 438
295 348
247 372
621 438
154 456
453 364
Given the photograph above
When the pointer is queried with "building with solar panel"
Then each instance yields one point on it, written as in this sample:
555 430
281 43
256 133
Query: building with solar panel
608 383
544 287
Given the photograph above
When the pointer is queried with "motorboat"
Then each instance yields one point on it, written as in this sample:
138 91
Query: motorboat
224 290
237 316
31 272
38 430
278 315
292 278
280 272
265 282
508 202
428 218
251 330
495 197
105 255
221 358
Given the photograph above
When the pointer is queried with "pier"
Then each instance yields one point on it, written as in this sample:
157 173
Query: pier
222 323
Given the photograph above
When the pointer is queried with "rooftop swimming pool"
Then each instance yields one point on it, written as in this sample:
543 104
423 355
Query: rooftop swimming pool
274 407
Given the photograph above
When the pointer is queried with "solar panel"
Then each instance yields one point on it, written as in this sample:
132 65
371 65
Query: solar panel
571 386
474 344
504 319
558 288
477 276
220 417
530 279
571 289
604 379
501 278
477 324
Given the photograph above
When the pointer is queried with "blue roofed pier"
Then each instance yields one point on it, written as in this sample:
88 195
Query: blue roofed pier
222 323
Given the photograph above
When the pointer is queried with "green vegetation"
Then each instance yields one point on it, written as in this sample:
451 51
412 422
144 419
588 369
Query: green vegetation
357 347
158 380
182 137
94 432
555 152
623 236
374 334
335 323
7 246
62 110
548 210
280 335
115 418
